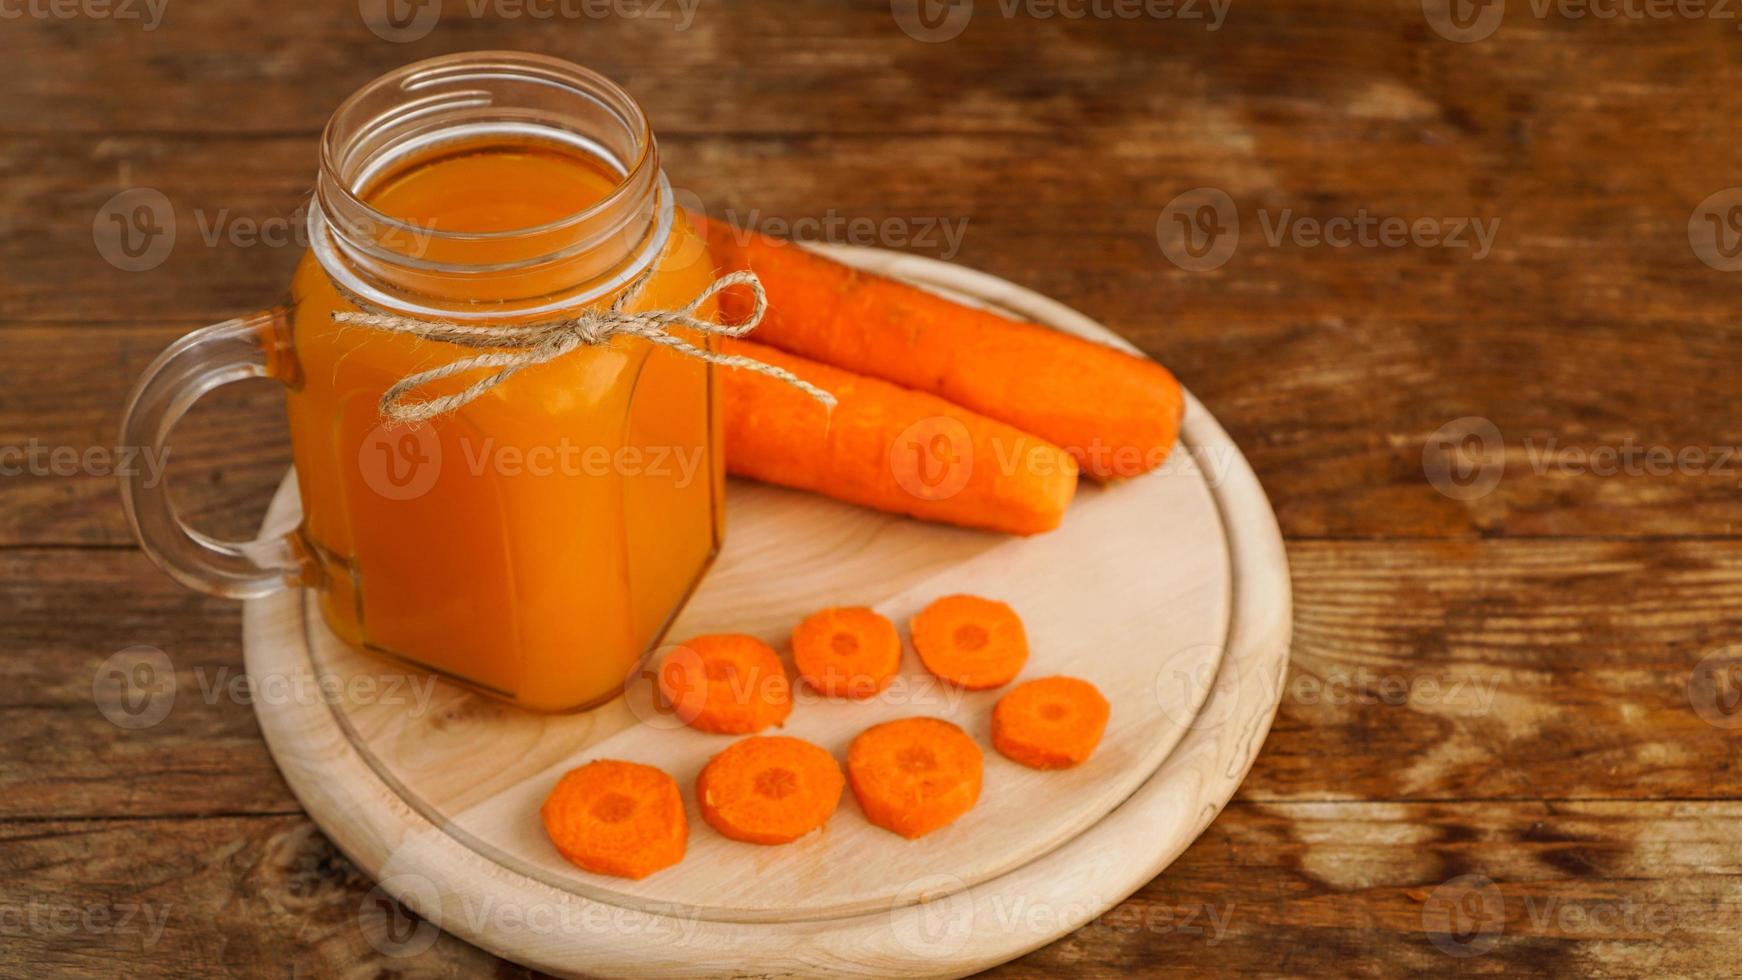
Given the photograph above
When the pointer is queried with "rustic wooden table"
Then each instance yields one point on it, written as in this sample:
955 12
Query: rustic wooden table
1472 332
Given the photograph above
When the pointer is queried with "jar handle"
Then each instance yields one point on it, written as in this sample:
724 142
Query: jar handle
207 358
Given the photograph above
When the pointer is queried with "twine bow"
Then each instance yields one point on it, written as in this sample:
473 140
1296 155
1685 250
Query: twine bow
518 346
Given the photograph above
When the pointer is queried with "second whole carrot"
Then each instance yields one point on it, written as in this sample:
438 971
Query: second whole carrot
890 448
1119 414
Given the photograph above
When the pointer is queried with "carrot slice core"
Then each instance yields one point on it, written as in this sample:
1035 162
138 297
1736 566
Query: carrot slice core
1050 723
914 775
847 652
971 642
769 789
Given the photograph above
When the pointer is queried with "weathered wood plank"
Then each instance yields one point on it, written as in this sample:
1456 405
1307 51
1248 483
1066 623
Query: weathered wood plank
61 394
64 756
799 67
1344 888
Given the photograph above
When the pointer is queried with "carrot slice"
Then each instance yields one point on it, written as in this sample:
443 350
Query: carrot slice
914 775
1050 722
617 818
971 642
847 652
727 683
1117 412
769 789
887 447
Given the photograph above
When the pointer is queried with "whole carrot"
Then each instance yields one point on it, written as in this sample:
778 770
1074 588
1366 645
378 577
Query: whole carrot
890 448
1118 414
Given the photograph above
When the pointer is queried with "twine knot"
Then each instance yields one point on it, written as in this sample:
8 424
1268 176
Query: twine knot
514 347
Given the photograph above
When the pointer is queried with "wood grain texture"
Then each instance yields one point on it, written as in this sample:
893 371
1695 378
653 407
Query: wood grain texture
1609 889
1060 141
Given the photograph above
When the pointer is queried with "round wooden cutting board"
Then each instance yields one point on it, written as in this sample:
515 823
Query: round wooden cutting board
1169 592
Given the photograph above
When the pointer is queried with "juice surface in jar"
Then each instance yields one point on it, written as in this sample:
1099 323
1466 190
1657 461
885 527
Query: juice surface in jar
535 543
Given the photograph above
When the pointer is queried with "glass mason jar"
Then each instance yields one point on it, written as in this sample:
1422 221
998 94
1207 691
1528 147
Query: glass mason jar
535 543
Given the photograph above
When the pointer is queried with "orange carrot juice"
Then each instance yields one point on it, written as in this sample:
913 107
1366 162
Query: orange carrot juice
535 542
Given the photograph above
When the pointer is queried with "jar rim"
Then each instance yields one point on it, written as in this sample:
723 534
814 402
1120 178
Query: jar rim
543 69
407 112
